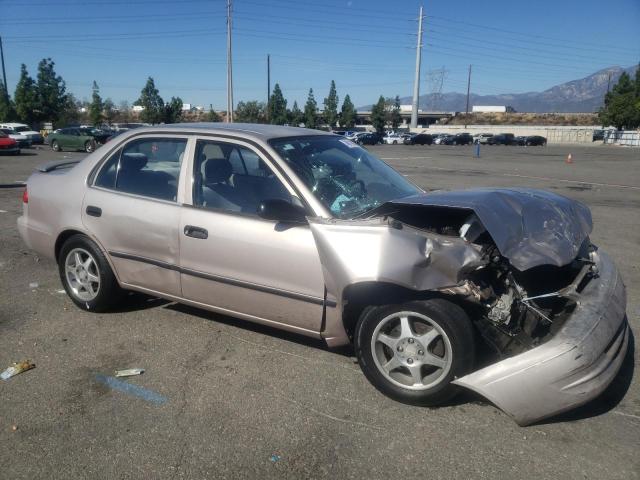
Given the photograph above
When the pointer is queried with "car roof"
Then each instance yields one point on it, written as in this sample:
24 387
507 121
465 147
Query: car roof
257 131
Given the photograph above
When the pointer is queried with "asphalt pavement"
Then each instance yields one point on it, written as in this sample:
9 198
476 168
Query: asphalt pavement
222 398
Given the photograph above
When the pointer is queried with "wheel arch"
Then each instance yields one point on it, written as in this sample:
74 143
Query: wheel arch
67 233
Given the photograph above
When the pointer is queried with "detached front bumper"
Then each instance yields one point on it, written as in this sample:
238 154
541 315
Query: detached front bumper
575 366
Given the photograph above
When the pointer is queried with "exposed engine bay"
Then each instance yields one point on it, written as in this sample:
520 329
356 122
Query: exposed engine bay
514 310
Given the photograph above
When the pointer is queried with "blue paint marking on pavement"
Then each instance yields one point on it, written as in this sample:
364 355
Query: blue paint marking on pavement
143 393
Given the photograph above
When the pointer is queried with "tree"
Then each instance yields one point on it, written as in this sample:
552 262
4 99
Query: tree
331 106
52 100
250 112
622 104
109 111
25 97
69 111
173 110
348 113
151 101
212 115
7 110
277 107
378 115
124 112
295 115
311 111
395 118
96 106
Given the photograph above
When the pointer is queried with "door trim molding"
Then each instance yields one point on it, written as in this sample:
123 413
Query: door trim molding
229 281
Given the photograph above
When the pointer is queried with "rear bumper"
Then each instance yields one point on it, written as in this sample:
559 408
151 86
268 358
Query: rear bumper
10 150
575 366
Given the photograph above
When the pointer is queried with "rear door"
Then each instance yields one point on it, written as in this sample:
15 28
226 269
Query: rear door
132 209
231 258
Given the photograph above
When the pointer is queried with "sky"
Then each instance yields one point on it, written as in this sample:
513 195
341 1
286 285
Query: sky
367 46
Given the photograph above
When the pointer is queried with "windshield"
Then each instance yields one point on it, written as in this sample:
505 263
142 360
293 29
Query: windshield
22 129
346 178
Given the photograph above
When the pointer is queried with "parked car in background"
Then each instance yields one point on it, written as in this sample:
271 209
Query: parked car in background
100 136
442 139
520 140
118 127
420 139
23 129
318 236
502 139
8 145
392 139
535 140
22 140
368 138
462 139
482 138
71 139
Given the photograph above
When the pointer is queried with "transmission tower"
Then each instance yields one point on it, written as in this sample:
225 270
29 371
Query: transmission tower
435 81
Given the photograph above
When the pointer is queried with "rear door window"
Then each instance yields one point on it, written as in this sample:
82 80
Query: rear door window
149 167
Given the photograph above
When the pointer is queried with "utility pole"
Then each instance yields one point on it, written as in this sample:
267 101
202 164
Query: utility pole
4 73
229 67
466 115
416 80
268 87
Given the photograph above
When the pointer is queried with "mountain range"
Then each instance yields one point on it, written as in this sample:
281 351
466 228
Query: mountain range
582 95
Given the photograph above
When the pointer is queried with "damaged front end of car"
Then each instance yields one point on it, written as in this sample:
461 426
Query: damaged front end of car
548 305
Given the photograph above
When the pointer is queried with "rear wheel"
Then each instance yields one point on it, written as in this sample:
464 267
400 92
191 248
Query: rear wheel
55 146
86 275
412 352
395 142
89 146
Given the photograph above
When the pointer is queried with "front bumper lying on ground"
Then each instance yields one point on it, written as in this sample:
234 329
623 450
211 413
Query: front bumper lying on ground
575 366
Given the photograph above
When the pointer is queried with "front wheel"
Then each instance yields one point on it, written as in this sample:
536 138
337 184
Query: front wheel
55 146
89 146
86 275
412 352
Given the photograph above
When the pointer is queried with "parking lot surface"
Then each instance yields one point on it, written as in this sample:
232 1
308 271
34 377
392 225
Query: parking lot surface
222 398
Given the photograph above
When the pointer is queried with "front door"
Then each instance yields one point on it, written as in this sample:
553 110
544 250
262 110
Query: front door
232 259
132 208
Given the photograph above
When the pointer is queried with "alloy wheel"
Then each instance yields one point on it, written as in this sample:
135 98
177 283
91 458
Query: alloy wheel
82 274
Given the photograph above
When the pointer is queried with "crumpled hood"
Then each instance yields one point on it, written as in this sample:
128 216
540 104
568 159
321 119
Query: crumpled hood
530 227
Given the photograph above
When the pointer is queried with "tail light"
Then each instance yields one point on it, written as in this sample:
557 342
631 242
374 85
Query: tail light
25 196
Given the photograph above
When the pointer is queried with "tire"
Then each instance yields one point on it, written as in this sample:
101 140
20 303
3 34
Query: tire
439 331
99 295
395 142
89 146
55 146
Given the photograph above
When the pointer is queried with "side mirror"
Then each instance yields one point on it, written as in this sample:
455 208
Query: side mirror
282 211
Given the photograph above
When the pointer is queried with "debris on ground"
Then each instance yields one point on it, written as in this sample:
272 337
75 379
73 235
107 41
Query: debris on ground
14 428
274 457
34 285
129 372
17 368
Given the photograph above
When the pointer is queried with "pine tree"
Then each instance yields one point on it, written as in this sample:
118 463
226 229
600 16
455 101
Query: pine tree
622 104
152 103
25 97
172 110
52 100
250 112
311 111
295 115
7 110
277 107
378 115
395 117
331 106
109 111
96 106
348 113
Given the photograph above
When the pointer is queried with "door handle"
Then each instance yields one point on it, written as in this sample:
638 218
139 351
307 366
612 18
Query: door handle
196 232
94 211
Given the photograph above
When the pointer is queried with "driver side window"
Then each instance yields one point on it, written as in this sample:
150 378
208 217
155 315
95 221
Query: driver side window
233 178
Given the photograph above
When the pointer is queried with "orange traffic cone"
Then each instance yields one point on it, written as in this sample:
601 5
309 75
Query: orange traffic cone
569 159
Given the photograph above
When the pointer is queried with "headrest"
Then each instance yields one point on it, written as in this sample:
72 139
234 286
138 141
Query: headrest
217 170
133 161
